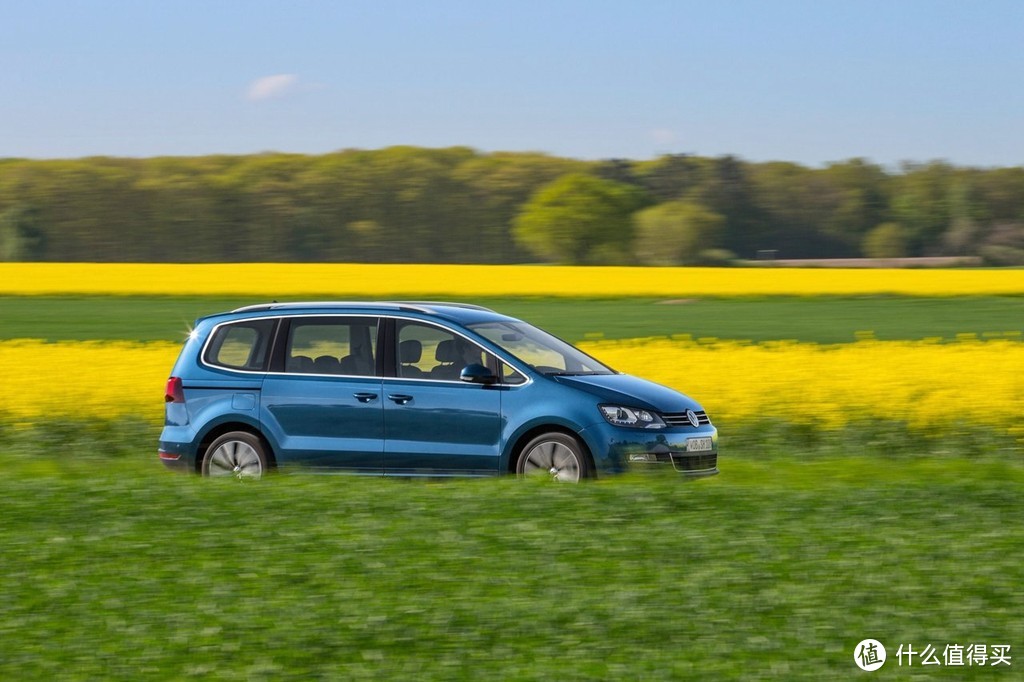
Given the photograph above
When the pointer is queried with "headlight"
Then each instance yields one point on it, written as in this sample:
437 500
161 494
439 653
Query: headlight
631 416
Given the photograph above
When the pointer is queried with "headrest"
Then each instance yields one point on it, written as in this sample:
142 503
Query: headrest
410 351
446 351
327 364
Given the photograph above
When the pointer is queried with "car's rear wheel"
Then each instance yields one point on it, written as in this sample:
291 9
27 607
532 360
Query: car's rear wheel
556 456
238 453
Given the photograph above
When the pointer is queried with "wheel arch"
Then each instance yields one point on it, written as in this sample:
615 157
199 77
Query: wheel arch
533 432
227 427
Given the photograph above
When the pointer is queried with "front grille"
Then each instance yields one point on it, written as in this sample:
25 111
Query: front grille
679 418
705 461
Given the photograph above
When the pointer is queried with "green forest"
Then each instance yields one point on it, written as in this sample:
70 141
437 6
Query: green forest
459 205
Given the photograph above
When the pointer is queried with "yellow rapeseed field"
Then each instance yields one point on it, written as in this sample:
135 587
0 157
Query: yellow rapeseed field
942 386
928 385
278 280
84 379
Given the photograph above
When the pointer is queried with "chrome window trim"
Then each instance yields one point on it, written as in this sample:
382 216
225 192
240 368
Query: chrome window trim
317 374
278 317
458 382
374 377
432 323
370 377
213 332
380 316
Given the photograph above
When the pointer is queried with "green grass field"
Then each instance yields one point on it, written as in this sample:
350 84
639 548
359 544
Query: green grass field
820 320
806 543
774 570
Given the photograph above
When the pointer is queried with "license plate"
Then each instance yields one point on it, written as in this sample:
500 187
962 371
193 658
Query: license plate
698 444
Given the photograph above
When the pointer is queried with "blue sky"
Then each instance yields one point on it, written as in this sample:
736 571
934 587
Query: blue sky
804 81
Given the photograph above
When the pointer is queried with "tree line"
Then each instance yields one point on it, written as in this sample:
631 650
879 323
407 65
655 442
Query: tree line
459 205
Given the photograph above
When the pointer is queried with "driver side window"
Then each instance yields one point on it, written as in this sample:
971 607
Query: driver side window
429 352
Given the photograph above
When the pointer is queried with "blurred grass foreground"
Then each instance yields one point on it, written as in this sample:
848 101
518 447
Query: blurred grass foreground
774 570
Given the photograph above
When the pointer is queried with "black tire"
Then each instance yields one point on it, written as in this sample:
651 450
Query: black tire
556 455
238 453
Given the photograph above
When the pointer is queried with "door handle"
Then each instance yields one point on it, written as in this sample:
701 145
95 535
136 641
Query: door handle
364 397
399 398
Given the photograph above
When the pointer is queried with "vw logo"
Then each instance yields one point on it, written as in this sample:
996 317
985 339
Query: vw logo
691 416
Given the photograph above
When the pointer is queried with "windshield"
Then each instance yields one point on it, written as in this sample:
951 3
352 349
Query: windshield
542 351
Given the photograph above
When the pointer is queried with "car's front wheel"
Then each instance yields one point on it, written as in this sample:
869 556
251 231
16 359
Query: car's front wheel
238 453
557 456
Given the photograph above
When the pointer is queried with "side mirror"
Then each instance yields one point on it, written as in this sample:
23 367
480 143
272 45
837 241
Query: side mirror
477 374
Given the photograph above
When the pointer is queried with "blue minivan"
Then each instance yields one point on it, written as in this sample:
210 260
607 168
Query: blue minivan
415 389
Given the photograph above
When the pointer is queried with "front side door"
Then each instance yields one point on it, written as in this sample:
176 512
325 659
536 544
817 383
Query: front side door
323 405
435 424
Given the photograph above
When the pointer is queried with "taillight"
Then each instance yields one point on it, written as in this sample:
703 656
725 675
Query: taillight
174 393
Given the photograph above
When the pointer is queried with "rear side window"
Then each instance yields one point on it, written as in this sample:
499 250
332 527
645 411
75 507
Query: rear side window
332 345
241 345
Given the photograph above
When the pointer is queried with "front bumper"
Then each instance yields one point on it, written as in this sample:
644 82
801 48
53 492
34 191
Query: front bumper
617 449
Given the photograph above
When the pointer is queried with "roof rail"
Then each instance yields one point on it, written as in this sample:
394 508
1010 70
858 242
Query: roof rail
287 305
449 304
418 306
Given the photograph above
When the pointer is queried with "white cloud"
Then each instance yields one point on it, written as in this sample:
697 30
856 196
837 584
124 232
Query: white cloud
271 87
664 136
